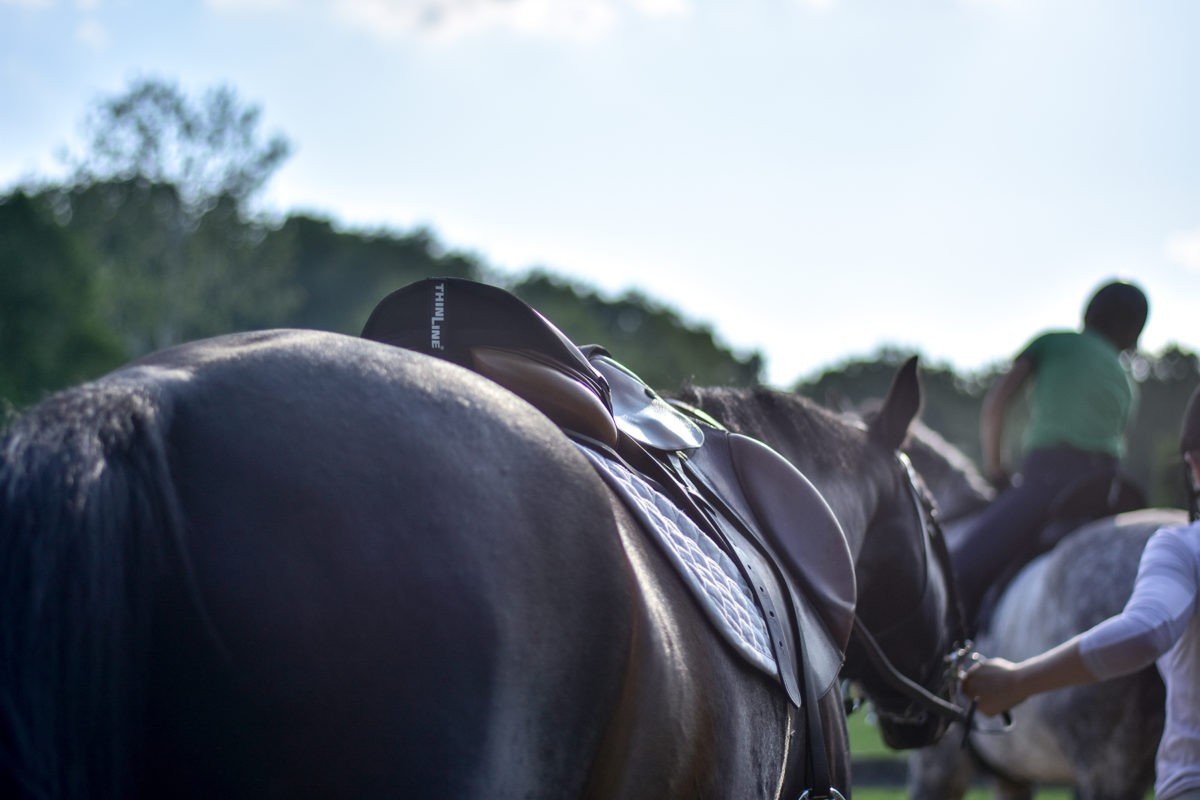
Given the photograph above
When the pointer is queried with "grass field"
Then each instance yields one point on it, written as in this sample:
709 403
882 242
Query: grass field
865 743
974 794
864 738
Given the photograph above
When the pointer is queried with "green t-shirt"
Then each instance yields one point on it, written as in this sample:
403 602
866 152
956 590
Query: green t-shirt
1081 394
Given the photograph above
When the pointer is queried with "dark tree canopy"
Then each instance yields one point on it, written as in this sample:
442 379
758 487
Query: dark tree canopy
51 329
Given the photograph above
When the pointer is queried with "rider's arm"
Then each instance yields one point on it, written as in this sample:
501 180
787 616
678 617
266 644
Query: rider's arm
1156 615
999 684
995 410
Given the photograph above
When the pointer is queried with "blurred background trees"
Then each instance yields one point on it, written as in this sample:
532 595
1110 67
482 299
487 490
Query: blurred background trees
952 402
152 241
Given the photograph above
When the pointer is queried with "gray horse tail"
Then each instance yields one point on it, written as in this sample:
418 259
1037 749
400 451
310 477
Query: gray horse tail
88 517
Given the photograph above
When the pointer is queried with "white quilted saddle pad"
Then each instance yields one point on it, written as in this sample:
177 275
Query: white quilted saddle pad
711 575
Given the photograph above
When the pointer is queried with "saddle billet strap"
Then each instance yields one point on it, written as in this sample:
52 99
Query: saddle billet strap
820 784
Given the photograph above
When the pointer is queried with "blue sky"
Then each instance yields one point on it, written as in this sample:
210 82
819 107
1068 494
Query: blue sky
814 178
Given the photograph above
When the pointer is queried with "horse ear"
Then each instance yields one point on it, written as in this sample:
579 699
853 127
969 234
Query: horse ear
900 408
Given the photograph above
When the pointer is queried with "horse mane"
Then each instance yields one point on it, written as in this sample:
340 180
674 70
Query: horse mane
790 422
952 477
814 437
831 450
86 512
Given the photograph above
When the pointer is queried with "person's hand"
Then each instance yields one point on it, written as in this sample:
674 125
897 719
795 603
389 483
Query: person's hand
993 682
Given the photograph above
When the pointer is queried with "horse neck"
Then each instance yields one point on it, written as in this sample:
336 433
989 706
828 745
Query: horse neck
956 485
831 452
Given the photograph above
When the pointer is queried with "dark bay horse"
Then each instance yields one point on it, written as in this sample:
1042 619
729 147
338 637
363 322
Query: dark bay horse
300 564
903 590
1101 738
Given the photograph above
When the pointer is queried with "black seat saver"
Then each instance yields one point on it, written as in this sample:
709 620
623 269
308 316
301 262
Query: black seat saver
492 332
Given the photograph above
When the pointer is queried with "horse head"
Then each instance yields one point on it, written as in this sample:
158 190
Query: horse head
904 598
908 621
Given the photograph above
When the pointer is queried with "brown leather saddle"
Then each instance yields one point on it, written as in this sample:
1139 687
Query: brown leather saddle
765 515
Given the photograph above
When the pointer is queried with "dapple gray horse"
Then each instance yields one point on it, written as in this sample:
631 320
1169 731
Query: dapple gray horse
1100 738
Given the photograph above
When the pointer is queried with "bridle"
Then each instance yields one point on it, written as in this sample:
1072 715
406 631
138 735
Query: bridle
1191 492
922 702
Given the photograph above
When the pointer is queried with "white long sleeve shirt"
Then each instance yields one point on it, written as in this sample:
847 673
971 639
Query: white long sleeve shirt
1161 622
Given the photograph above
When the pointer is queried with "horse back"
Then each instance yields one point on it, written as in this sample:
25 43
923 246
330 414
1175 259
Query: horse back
391 578
376 574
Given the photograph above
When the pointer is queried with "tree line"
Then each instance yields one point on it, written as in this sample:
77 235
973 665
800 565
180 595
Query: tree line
953 401
151 241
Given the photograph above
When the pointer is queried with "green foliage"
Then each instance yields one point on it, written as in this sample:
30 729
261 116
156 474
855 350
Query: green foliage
952 405
1166 382
51 332
157 207
648 337
151 244
167 273
206 148
340 276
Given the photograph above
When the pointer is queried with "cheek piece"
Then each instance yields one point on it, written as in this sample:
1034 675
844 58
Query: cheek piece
1190 488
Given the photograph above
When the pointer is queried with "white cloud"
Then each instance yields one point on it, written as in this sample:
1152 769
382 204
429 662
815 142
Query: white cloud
451 19
661 8
1183 248
575 19
28 3
247 5
92 33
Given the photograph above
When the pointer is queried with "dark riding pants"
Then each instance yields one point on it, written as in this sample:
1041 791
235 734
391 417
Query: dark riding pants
1008 529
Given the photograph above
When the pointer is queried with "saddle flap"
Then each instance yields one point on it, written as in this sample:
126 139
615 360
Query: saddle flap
802 528
794 528
640 413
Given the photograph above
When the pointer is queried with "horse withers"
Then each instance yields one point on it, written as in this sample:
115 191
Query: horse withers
1101 738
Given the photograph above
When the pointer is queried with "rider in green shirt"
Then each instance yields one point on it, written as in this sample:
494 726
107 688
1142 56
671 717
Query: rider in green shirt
1067 367
1081 403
